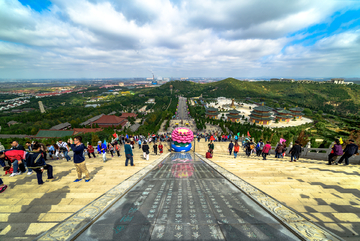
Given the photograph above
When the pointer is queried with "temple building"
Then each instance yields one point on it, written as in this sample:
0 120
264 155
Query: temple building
211 113
297 112
234 116
261 115
283 115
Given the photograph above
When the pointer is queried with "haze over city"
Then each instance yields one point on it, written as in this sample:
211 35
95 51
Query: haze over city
99 38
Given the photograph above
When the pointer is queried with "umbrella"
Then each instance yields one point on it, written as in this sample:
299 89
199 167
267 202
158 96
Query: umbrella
212 138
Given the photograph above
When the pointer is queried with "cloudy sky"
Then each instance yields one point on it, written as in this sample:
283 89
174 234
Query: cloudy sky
175 38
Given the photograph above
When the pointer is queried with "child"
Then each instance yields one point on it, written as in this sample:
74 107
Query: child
90 150
8 170
35 161
111 149
118 149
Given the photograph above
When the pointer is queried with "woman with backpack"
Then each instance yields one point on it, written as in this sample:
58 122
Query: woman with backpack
259 147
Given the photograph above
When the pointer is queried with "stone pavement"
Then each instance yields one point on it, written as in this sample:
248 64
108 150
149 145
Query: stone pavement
28 209
326 195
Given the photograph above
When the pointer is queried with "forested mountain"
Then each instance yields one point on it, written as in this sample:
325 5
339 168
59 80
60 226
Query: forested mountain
342 99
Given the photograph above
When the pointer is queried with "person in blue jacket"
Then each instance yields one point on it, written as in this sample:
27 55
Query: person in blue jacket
79 160
102 150
128 153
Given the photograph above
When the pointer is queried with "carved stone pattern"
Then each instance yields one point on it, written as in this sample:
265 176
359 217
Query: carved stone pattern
291 218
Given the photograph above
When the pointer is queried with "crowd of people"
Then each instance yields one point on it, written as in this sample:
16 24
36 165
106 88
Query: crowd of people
33 157
263 149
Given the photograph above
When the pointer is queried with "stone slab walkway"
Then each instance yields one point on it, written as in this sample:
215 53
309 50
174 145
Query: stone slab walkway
28 209
326 195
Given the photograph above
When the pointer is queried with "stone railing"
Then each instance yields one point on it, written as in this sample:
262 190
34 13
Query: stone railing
317 153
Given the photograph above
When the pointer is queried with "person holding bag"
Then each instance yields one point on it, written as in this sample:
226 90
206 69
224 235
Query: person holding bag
145 149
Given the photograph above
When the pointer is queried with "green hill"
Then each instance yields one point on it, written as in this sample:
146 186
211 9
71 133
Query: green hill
342 99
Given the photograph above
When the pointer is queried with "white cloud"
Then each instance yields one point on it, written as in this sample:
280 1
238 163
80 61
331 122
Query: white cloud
120 38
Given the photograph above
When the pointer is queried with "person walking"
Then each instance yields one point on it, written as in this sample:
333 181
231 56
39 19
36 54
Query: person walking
236 149
279 150
259 147
139 143
211 147
90 150
266 150
145 149
230 147
102 150
155 148
350 150
249 146
79 160
336 151
129 154
118 149
295 151
161 148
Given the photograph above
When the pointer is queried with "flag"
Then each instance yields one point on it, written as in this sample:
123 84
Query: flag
341 141
105 143
115 135
248 134
282 140
238 134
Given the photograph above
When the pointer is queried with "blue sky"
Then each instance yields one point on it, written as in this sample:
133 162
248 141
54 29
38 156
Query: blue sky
240 38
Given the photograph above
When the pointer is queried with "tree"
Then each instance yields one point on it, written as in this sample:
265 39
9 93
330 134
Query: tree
94 139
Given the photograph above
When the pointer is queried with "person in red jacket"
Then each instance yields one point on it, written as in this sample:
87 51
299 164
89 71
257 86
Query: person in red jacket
208 154
266 150
15 157
90 150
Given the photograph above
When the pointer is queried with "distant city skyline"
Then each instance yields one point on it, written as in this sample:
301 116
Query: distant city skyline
54 39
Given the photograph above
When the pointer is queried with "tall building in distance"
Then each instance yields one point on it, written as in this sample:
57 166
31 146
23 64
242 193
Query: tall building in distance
41 106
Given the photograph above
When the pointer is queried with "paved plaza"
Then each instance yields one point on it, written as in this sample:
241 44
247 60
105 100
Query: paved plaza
326 195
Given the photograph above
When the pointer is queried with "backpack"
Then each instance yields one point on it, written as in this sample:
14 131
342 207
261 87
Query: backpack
236 148
261 145
252 146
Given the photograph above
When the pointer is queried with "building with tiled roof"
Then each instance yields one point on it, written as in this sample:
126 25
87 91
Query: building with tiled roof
110 120
86 130
234 116
126 115
283 115
297 112
46 134
211 113
61 126
261 115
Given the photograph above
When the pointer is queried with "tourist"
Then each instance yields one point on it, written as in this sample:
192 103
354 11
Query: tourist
111 149
64 149
236 149
145 149
139 143
57 150
118 148
295 151
230 147
129 154
279 150
161 148
266 150
259 147
35 161
211 147
350 150
249 146
28 146
90 150
14 157
79 160
208 154
16 146
51 150
102 150
198 137
336 151
2 186
155 148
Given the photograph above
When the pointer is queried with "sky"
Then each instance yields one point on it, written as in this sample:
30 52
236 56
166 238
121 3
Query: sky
175 38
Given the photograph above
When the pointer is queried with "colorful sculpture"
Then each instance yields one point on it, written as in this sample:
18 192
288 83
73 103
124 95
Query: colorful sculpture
182 138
